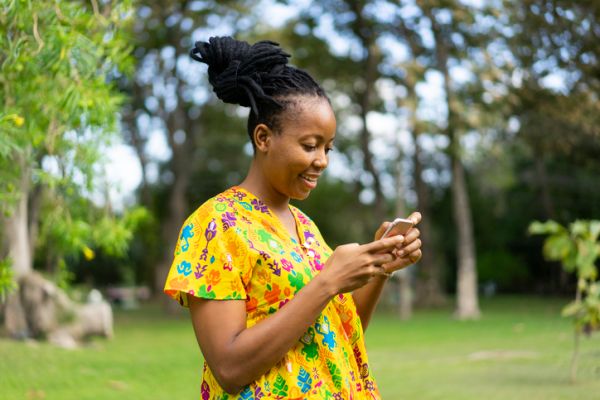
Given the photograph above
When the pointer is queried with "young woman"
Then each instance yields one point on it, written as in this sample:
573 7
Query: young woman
277 313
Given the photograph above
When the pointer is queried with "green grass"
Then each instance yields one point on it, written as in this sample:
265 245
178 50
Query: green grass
520 349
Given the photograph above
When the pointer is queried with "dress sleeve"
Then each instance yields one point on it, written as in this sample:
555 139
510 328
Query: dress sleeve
209 261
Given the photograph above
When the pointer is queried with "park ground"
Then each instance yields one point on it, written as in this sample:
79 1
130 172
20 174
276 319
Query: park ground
520 349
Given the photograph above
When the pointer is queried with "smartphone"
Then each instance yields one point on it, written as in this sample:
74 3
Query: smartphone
403 223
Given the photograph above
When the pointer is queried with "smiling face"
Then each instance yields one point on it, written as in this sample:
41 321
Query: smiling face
293 158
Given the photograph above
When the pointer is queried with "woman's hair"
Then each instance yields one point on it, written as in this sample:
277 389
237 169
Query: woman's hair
255 76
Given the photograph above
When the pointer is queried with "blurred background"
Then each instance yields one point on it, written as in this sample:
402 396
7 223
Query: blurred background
482 115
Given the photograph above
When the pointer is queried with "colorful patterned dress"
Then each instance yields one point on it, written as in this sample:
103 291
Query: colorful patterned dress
233 247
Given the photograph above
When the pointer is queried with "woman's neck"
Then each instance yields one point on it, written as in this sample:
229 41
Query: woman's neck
257 184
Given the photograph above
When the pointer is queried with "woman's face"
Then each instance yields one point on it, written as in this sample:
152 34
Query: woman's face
297 155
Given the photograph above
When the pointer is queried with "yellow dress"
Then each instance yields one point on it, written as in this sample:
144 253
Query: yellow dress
233 247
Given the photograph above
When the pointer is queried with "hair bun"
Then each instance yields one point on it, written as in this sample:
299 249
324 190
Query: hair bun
238 71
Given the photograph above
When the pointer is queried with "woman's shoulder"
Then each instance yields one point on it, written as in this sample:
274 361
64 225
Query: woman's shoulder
215 207
223 214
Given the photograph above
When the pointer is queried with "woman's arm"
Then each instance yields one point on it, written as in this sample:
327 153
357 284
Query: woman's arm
238 355
367 297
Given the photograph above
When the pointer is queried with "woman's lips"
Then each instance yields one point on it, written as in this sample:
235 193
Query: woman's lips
310 181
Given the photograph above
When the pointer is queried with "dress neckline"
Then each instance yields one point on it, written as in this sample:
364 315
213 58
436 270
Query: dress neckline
276 218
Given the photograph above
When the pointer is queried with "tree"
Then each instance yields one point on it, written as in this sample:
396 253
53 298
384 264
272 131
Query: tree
428 283
352 79
364 28
577 248
170 94
554 49
454 36
60 110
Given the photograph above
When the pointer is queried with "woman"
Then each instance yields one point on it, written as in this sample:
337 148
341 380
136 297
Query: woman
277 313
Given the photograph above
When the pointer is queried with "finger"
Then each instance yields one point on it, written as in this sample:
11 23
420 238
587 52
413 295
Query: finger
415 217
383 244
411 235
403 262
415 256
410 248
378 271
382 258
397 264
382 228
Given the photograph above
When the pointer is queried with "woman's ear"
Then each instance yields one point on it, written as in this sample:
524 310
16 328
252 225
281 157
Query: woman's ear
262 137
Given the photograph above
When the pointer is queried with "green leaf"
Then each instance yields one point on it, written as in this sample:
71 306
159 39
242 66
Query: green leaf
579 228
572 309
593 290
7 281
558 247
591 302
594 230
586 256
543 228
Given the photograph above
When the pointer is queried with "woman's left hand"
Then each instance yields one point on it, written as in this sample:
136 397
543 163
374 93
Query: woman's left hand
410 250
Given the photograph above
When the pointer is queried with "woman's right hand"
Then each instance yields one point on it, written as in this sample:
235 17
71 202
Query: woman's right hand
351 266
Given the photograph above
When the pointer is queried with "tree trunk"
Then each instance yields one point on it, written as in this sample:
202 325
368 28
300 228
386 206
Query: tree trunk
467 306
367 38
428 287
35 202
177 204
174 120
405 295
16 227
130 120
169 233
370 75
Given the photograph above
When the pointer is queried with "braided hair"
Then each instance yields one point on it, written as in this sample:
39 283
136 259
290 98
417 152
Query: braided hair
255 76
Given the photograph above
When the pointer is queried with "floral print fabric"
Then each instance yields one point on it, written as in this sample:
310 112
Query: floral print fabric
233 247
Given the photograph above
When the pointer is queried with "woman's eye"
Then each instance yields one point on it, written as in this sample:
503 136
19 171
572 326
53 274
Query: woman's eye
309 147
327 150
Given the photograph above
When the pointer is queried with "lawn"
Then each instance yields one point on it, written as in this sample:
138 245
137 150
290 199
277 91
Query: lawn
520 349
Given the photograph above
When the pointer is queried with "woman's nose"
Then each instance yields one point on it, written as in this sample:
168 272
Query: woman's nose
321 160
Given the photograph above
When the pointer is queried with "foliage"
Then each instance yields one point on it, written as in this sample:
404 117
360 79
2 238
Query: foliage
7 283
65 240
58 66
577 248
502 80
506 114
502 268
57 102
